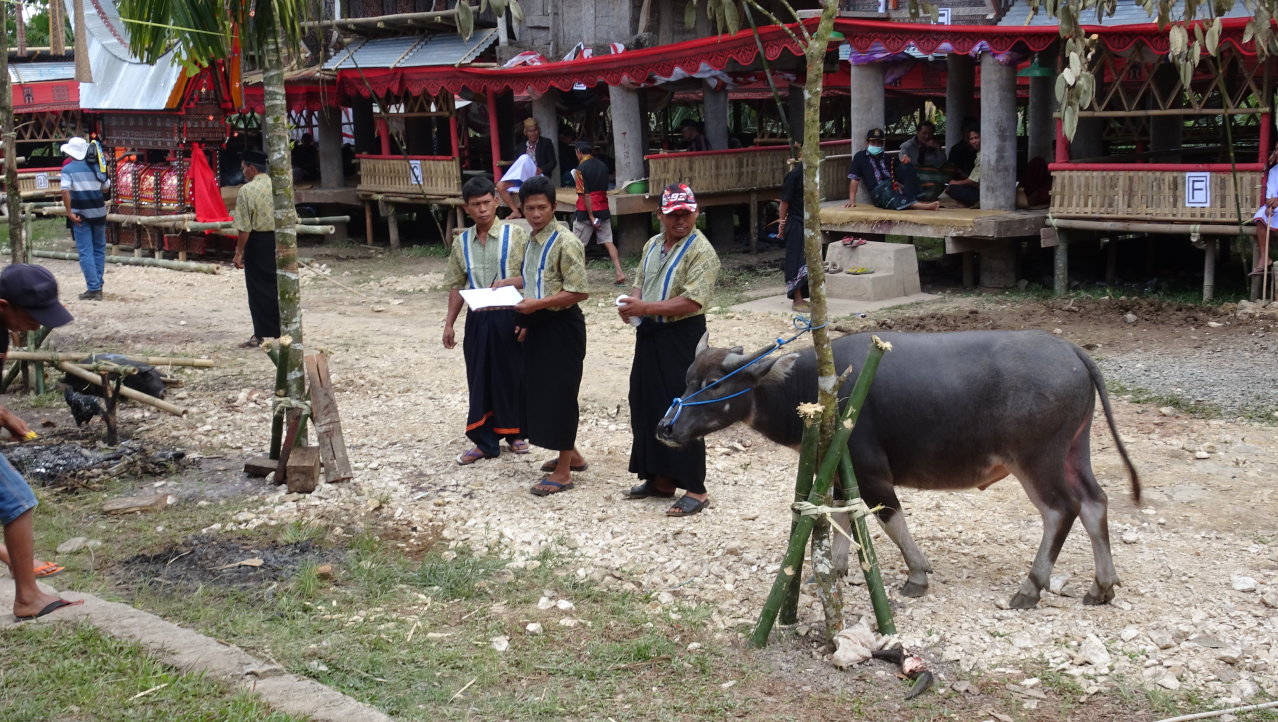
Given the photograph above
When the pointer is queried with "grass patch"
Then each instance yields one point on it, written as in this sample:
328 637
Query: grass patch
60 671
1181 296
1138 395
45 233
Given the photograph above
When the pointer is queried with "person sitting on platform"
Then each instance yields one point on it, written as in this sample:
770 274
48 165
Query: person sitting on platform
1266 218
892 185
541 159
305 159
694 135
966 187
928 158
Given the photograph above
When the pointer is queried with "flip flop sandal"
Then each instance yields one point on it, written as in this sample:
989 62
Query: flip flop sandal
50 608
861 271
687 506
553 464
470 457
48 569
832 267
520 446
646 491
539 489
852 242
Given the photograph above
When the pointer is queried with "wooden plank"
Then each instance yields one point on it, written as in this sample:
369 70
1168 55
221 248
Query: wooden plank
1047 238
294 417
259 466
328 424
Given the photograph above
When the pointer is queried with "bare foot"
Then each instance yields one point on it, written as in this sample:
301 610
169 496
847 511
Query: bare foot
40 604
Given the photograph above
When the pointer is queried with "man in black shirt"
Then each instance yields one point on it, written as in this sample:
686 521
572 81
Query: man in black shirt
693 135
892 185
592 217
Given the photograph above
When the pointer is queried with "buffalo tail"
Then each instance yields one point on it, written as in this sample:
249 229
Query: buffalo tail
1098 381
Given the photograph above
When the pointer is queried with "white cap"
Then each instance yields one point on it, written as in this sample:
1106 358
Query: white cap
77 148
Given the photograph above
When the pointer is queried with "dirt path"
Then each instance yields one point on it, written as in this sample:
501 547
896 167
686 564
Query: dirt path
1186 615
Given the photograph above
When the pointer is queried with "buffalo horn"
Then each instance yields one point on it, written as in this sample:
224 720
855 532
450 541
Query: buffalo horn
703 344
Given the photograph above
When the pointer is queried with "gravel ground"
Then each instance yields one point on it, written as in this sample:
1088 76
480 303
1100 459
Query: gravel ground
1198 555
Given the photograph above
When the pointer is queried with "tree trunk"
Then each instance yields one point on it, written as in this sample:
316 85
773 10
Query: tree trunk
829 586
275 127
17 241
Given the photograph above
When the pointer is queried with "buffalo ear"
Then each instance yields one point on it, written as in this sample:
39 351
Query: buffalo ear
703 344
780 369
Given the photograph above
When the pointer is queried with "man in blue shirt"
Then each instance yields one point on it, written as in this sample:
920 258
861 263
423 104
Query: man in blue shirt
83 184
892 185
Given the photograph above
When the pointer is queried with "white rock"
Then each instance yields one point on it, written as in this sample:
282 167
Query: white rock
1130 537
1056 584
565 605
1093 652
1161 638
1201 455
1129 633
75 544
1229 655
1243 584
1166 411
501 644
1022 640
1245 689
694 646
1169 682
569 623
533 628
1130 318
545 603
665 598
1270 599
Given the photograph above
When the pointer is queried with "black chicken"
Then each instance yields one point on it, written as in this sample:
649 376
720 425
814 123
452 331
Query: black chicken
83 406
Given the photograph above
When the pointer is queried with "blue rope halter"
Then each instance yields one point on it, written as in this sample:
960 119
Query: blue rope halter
802 323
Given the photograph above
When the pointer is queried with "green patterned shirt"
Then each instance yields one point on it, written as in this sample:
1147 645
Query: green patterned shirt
472 264
554 261
254 206
689 269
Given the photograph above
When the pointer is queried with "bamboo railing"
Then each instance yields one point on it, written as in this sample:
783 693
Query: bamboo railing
394 174
745 169
1153 195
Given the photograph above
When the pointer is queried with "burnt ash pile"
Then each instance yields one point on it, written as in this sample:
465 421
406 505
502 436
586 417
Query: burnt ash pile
202 560
69 464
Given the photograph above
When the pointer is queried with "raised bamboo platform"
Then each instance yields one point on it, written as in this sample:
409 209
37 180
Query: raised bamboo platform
952 224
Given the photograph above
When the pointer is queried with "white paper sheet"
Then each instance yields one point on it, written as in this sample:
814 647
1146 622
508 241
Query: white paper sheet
479 298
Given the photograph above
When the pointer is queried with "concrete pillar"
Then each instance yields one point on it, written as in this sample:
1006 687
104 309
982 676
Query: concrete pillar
330 148
794 109
1042 126
998 135
867 111
998 264
362 118
628 147
547 117
715 114
959 96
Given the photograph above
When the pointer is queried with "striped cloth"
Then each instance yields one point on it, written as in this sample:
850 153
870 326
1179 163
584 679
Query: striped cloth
86 188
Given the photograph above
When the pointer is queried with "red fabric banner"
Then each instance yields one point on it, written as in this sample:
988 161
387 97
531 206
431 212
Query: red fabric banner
209 207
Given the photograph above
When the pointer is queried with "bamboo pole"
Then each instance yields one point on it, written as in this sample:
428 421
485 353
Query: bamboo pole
132 261
69 357
8 134
837 448
802 487
281 358
865 553
125 391
9 377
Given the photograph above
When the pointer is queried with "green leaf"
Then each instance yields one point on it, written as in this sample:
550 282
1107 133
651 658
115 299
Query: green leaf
690 15
1069 120
731 16
1086 89
1068 75
1061 87
517 11
465 20
1186 70
1249 31
1213 36
498 6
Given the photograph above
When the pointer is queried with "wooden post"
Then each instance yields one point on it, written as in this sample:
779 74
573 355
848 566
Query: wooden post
494 135
1209 268
368 222
108 418
1060 275
302 474
998 134
330 149
392 226
328 424
959 82
754 222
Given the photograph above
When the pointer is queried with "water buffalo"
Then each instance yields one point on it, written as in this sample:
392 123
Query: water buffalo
946 411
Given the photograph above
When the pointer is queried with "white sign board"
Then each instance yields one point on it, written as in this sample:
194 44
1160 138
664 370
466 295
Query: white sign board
942 16
41 181
415 172
1198 190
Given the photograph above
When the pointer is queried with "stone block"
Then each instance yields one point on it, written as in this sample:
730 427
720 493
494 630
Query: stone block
895 265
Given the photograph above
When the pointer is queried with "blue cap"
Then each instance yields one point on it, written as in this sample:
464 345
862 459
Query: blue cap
34 290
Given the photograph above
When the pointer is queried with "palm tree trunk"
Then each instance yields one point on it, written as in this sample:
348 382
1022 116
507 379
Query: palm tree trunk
275 133
17 241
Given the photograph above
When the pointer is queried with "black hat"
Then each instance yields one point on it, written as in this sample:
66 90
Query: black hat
874 134
34 290
254 157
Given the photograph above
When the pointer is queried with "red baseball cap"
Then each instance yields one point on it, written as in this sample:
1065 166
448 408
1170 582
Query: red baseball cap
678 197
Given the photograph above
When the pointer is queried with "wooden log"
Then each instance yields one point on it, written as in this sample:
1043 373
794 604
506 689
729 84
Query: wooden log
125 391
72 357
126 218
135 261
286 445
303 469
131 504
328 424
259 467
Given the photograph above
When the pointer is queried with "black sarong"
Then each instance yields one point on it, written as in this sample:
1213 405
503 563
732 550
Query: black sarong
663 353
494 373
259 278
554 351
795 261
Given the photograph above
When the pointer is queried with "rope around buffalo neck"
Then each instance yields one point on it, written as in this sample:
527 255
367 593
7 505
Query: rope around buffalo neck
802 323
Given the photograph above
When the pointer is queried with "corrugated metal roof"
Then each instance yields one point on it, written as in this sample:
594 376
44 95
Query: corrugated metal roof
1126 13
40 72
121 81
414 51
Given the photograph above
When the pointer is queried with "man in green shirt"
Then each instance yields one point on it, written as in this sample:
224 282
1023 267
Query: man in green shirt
255 247
553 332
677 272
486 254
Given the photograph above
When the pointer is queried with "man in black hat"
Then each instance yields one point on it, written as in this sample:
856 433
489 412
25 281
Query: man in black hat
892 185
28 300
255 249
